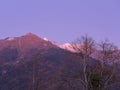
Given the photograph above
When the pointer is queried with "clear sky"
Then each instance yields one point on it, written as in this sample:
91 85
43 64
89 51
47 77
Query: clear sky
61 20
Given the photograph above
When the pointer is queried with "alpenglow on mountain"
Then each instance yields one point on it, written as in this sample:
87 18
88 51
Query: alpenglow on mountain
66 46
29 62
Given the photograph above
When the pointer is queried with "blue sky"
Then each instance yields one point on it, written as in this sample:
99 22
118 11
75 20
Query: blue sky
61 20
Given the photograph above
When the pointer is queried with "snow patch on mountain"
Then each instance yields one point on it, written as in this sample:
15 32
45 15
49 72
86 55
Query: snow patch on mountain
10 38
46 39
66 46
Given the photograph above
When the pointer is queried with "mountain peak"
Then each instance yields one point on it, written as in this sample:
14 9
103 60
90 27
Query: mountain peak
30 34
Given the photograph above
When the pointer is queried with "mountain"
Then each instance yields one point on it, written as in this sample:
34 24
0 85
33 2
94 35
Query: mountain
66 46
33 63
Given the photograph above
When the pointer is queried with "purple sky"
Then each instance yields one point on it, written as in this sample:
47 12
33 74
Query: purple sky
61 20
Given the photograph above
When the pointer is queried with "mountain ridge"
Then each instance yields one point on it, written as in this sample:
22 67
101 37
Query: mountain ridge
29 62
33 37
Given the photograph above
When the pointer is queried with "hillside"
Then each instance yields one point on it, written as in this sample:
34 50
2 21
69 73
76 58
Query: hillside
32 63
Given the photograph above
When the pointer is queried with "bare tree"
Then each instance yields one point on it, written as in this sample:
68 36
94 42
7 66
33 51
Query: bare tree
34 83
85 47
108 53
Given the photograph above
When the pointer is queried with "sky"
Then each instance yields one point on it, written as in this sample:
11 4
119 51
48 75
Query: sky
61 20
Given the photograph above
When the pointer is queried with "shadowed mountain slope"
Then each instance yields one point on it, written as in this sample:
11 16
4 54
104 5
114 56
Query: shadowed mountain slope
32 63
